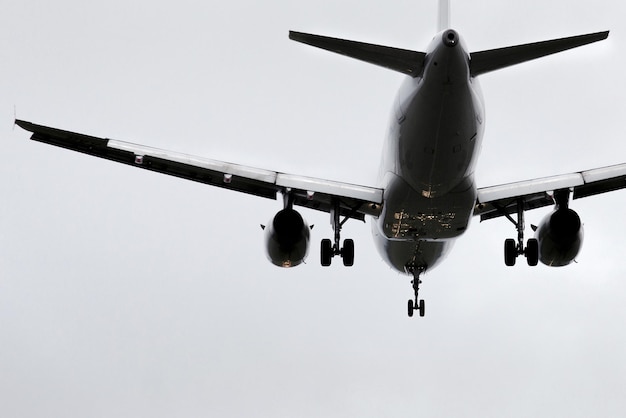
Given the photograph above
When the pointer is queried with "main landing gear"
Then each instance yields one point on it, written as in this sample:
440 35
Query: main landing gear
513 249
328 250
417 304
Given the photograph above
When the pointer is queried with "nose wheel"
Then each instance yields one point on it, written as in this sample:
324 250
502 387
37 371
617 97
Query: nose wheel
412 307
416 304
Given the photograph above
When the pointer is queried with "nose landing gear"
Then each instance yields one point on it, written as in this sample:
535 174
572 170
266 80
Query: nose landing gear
417 304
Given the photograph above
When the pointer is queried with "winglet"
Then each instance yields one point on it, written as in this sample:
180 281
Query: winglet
22 124
485 61
401 60
27 126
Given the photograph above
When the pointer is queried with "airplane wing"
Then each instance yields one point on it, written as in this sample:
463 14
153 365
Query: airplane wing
355 201
496 201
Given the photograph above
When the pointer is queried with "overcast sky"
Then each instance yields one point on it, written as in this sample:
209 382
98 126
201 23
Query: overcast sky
127 293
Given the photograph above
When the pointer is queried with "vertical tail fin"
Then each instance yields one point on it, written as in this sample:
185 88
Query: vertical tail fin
444 15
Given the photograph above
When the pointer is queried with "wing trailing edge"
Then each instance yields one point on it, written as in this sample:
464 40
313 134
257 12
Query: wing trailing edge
496 201
494 59
355 201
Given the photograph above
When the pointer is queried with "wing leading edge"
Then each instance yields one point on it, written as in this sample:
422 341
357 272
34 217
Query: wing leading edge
355 201
499 200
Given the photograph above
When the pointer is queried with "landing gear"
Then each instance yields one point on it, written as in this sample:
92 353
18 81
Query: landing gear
328 250
421 308
417 304
513 249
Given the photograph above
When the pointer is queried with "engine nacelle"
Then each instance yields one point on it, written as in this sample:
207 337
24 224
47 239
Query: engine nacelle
560 237
287 239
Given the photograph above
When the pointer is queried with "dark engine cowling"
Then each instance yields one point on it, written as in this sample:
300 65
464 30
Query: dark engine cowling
287 239
560 236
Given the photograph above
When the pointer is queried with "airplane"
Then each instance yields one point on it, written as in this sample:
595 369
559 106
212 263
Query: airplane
426 195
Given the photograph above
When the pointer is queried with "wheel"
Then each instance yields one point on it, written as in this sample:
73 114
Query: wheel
532 252
422 307
410 307
347 253
510 252
326 252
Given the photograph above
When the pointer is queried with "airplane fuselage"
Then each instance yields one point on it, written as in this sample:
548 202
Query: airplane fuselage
429 158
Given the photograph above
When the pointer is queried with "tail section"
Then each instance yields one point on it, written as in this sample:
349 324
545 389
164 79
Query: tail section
412 62
402 60
444 15
495 59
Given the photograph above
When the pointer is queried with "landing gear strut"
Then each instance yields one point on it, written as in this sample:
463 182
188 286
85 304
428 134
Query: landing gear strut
417 304
328 250
512 250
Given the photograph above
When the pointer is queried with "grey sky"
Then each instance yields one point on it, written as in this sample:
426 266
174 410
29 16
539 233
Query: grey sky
128 293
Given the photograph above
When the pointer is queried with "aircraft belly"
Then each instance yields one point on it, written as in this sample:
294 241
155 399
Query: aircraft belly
417 231
400 255
438 139
409 216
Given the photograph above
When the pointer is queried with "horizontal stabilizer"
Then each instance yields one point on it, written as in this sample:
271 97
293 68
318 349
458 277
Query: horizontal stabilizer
495 59
402 60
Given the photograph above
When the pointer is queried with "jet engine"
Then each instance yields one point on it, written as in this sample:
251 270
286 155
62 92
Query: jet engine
560 237
287 238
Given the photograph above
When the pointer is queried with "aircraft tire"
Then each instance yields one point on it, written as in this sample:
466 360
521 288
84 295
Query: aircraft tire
510 252
348 253
326 252
532 252
410 308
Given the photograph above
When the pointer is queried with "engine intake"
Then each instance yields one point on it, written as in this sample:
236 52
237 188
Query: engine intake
560 236
287 239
